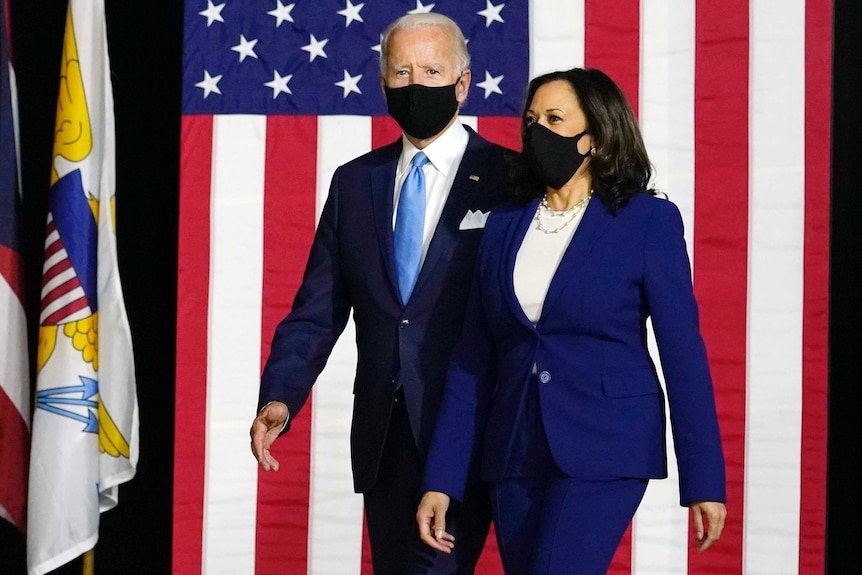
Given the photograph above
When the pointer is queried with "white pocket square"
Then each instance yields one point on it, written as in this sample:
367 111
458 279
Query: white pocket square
473 220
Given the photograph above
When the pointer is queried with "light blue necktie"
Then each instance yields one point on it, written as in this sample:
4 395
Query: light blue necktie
409 227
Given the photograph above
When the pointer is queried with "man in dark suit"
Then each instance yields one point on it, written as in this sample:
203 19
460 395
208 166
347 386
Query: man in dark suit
404 269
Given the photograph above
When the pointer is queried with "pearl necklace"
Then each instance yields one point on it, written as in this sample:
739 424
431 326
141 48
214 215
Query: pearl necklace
571 212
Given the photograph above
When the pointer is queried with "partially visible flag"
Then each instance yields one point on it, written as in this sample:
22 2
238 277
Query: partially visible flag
14 376
85 427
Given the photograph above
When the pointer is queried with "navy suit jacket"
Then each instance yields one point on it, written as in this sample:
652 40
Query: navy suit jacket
601 401
351 266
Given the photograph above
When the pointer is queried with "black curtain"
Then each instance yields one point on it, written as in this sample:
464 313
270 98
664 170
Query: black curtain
145 42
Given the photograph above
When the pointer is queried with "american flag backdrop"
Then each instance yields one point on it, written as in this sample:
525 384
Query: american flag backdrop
734 101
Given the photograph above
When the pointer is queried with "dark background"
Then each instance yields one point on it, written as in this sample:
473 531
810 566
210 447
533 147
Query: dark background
145 42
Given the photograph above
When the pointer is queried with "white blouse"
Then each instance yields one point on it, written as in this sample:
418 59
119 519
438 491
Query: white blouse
539 256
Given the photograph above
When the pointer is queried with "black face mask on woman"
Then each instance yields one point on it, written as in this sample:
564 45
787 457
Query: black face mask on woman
553 157
422 111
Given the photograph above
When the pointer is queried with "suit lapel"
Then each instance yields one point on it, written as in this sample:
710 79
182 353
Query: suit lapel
382 182
592 226
514 238
460 199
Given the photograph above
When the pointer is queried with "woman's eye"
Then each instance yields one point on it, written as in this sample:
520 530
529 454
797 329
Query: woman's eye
528 120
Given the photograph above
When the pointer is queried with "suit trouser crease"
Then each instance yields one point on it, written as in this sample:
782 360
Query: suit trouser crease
390 509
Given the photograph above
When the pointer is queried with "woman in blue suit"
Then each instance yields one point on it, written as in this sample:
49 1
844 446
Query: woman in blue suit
552 396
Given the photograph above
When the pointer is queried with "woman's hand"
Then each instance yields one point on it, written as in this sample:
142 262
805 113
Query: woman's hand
431 517
715 512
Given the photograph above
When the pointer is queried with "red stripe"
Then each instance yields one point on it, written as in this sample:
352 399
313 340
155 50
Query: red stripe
384 131
721 244
55 270
612 43
65 311
10 270
367 567
815 314
503 130
60 290
192 314
14 459
52 249
52 246
489 562
289 207
621 564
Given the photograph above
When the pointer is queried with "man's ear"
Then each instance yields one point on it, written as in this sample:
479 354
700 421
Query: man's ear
463 86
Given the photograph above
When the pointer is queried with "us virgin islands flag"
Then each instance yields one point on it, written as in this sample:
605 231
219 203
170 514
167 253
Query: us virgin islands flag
85 426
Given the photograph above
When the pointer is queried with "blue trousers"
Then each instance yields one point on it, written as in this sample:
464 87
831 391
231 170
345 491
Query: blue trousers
548 523
562 526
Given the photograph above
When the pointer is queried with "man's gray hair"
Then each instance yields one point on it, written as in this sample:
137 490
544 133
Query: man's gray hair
413 21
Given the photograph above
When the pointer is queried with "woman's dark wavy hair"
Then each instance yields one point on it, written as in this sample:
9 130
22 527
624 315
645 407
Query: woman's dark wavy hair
620 167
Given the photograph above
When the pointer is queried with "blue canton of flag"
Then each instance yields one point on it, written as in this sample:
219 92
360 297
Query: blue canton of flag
321 57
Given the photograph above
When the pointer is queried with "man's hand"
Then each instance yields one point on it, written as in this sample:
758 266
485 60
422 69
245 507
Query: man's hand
431 517
264 430
715 513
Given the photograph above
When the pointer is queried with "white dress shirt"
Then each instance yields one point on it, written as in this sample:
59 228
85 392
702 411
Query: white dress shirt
444 157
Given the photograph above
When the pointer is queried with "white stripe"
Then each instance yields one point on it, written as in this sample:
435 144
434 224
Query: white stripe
660 537
62 301
776 233
331 155
60 254
4 514
230 496
59 279
335 511
472 121
667 101
14 374
557 29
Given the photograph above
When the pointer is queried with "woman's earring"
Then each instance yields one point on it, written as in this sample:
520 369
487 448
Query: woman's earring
592 151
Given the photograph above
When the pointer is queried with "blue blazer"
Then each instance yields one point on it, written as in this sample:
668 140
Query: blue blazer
601 402
351 266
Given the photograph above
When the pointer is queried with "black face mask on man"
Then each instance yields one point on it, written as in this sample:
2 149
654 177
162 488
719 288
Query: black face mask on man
553 157
422 111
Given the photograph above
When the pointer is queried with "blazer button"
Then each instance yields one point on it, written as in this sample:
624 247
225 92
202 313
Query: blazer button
544 377
405 324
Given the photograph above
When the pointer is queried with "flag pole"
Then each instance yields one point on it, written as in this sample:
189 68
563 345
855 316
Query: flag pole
88 563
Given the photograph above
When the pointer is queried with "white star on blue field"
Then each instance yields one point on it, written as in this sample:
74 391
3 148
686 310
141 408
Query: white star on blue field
320 57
